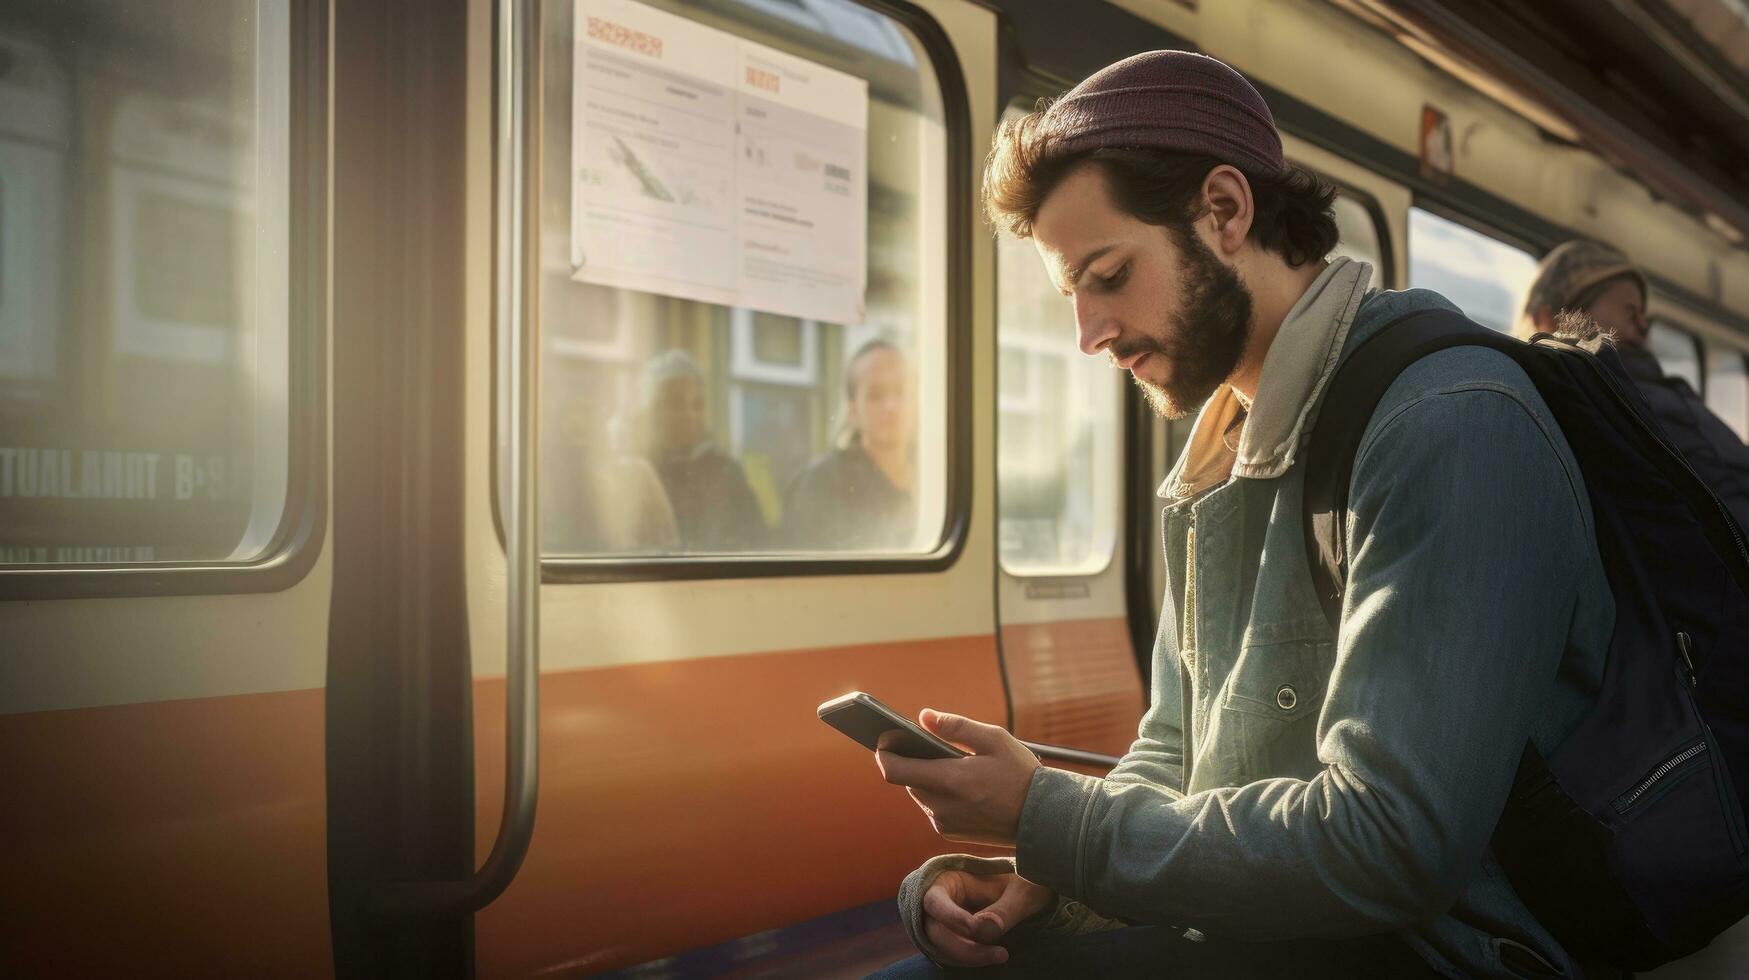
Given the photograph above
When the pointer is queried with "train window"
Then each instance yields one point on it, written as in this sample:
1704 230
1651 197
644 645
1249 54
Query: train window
1727 387
1058 411
744 285
1677 351
144 317
1359 235
1485 277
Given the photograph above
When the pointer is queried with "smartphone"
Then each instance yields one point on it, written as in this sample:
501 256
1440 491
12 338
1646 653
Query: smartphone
877 726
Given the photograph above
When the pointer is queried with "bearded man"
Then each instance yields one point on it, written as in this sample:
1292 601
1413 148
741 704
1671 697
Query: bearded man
1299 801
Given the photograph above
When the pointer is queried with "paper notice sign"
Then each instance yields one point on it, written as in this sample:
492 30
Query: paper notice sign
712 168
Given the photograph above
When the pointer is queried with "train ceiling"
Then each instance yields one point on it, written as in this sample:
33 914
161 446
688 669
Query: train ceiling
1661 87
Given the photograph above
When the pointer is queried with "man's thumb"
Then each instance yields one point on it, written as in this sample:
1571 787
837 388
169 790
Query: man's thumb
988 925
1007 911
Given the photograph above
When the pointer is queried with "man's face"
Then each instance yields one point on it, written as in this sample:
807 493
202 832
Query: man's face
1161 304
880 406
679 414
1620 310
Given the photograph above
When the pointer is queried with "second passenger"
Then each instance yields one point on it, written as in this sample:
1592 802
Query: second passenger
861 495
1594 279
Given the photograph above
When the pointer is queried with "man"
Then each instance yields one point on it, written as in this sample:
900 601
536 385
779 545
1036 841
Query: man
1598 281
1305 805
713 504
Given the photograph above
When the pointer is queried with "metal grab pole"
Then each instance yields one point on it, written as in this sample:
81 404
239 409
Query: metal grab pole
517 81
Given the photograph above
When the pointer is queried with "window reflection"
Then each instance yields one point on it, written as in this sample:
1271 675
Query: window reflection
755 432
143 350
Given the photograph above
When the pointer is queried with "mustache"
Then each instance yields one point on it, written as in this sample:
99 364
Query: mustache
1121 350
1220 292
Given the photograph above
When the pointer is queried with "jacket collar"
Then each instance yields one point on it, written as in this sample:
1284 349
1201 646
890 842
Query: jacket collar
1295 370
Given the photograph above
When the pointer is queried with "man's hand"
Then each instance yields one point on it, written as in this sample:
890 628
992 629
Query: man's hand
975 800
965 914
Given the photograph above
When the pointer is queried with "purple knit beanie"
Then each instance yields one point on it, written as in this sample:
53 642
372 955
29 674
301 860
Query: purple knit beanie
1169 100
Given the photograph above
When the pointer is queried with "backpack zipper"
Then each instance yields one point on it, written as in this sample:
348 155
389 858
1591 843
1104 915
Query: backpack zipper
1625 802
1628 406
1685 650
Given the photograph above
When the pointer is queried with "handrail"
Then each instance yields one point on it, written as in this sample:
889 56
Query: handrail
1062 753
517 86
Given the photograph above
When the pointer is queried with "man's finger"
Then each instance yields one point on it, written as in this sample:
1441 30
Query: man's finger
924 801
939 905
961 951
901 771
981 738
924 804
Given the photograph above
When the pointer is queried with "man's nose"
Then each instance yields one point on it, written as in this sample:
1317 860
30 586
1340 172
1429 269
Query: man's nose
1094 329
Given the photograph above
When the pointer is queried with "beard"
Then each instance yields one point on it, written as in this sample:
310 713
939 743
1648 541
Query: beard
1203 340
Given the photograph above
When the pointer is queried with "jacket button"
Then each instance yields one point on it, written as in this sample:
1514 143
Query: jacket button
1285 699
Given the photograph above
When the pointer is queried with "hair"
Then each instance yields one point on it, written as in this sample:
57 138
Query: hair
1588 297
1579 328
665 367
1294 216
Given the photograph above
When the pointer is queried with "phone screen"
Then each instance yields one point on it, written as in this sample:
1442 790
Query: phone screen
876 726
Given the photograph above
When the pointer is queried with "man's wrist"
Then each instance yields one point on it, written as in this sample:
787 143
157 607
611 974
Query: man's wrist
1051 825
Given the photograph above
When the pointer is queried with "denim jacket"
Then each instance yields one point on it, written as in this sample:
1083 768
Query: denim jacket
1349 786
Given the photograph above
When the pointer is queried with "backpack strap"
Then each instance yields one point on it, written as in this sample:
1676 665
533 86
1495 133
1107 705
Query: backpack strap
1350 399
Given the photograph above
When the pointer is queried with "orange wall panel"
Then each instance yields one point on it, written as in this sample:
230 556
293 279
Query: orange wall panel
686 803
172 838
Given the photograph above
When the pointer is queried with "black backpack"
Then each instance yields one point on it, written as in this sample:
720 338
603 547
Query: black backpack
1628 841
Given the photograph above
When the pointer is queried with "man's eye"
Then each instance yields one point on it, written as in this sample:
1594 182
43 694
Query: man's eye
1115 279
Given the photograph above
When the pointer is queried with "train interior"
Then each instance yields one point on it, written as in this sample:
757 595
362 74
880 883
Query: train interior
425 433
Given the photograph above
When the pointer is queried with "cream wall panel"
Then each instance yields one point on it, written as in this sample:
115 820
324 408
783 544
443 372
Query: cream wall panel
84 653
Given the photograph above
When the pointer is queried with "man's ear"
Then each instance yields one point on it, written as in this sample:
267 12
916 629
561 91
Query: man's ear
1228 194
1544 318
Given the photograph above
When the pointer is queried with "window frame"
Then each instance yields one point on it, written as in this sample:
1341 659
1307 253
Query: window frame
296 542
957 348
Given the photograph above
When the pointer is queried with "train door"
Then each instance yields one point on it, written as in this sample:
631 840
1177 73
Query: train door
761 312
164 575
